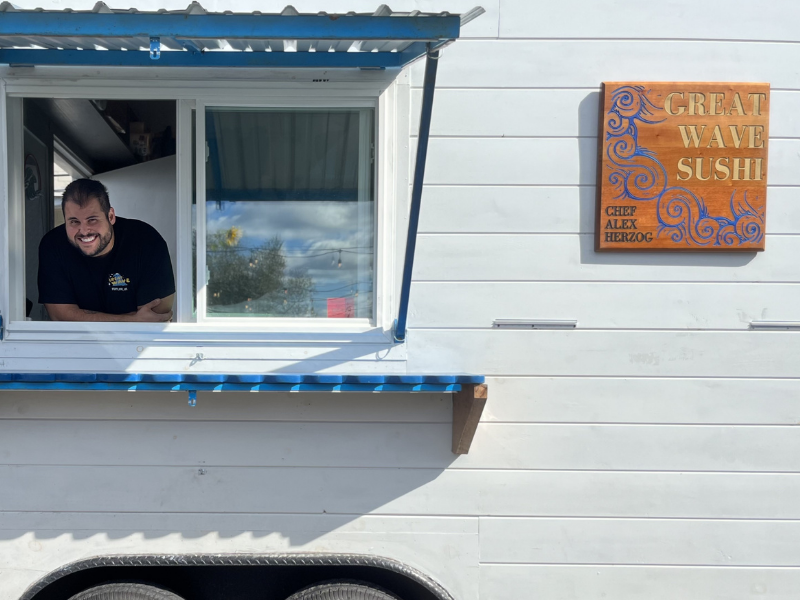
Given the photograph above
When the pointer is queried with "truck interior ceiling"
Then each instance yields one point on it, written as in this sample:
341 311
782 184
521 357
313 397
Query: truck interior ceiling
129 145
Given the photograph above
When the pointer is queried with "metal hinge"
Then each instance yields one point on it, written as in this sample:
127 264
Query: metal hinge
2 330
155 48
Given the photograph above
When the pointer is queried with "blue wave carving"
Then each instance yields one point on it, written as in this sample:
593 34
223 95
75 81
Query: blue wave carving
637 174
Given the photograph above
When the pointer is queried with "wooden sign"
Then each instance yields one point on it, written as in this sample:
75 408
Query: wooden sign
683 166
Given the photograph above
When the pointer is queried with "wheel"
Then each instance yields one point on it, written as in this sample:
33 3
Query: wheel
125 591
343 590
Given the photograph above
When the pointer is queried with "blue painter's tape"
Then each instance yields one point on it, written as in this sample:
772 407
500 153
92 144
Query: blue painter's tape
470 379
283 378
163 378
37 377
440 379
329 379
76 377
252 379
372 379
119 377
406 379
205 378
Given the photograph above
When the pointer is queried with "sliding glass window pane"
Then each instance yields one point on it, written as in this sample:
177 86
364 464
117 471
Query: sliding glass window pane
290 214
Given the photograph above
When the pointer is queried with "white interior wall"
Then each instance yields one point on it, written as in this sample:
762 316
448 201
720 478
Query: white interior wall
148 192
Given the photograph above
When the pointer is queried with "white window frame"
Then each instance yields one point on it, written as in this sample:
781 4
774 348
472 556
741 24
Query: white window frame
386 92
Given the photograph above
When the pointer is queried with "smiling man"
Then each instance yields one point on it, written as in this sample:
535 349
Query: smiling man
101 267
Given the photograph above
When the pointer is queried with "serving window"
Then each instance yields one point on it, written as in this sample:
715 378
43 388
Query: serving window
269 207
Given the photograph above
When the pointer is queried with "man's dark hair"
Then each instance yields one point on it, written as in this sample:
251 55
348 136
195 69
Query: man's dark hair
83 191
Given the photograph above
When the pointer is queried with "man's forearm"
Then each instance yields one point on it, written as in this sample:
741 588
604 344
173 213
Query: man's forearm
72 312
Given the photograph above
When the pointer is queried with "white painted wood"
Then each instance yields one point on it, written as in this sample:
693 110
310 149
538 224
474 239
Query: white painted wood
654 583
175 497
221 406
636 305
160 365
638 541
502 112
551 209
573 258
184 265
144 83
631 19
634 447
412 445
747 354
286 444
512 112
512 209
15 203
5 229
643 400
551 161
587 63
208 352
625 495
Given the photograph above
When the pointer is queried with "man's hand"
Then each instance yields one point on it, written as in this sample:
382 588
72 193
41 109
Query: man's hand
148 314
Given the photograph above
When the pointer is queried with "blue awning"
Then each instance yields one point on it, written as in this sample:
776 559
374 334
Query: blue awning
217 382
195 37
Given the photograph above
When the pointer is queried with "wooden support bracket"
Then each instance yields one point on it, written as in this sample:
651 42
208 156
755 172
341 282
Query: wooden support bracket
467 409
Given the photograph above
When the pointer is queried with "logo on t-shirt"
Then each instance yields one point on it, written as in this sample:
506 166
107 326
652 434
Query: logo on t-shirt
118 283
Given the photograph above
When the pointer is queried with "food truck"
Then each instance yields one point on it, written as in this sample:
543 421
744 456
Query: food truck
472 302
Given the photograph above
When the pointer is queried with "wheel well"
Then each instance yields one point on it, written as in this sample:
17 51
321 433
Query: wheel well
237 577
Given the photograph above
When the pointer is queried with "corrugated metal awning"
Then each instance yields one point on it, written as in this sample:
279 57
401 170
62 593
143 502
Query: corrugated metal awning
196 37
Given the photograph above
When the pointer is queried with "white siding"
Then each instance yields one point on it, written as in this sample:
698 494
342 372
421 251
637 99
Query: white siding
651 453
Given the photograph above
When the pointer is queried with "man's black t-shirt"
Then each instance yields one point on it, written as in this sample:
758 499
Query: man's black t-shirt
136 271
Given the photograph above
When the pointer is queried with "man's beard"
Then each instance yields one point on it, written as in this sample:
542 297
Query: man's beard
102 243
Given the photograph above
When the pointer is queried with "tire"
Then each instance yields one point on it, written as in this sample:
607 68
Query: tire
343 590
125 591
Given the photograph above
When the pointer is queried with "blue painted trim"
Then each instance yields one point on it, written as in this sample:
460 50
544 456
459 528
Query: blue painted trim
180 58
219 382
431 63
297 27
227 387
247 379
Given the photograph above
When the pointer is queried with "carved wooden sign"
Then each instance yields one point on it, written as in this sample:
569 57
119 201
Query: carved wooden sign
683 166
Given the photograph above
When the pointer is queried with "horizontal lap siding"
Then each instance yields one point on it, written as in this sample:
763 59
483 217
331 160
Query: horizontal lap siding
654 583
656 435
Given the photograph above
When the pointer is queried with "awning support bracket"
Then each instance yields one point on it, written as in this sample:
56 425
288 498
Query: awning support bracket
431 63
468 407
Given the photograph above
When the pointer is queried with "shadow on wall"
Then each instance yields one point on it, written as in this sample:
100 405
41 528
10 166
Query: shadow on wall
589 166
283 470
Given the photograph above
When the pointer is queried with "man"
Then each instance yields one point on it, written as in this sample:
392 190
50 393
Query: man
101 267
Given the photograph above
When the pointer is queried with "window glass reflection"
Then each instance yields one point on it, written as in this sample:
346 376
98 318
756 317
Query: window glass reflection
289 213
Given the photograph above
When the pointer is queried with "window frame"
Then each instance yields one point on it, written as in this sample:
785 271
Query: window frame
387 93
